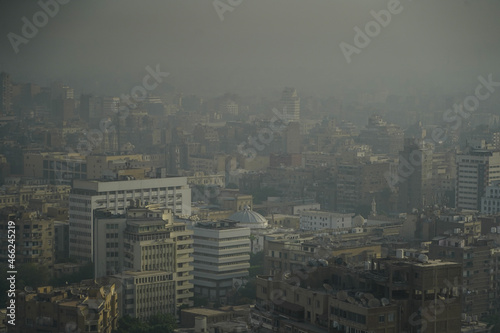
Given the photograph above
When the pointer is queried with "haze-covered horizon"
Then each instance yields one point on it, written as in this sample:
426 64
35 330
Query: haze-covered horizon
261 46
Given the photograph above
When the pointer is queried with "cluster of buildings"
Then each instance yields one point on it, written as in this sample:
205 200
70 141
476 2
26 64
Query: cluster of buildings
360 229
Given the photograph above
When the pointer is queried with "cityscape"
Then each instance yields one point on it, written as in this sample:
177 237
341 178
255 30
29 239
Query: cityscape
232 166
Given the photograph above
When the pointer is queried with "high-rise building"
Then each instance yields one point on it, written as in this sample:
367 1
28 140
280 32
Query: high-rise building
477 168
221 257
359 183
480 292
5 94
117 196
143 247
415 190
91 107
384 138
293 138
145 293
490 202
290 103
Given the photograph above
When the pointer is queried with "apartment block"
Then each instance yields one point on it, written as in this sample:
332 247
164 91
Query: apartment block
21 195
290 103
359 183
145 293
146 245
88 307
391 295
477 168
221 256
34 237
490 202
117 196
480 289
317 220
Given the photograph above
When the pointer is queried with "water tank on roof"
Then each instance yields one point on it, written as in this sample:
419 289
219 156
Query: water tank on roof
200 324
423 258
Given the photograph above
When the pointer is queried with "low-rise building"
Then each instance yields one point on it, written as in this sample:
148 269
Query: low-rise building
34 237
392 295
318 220
88 307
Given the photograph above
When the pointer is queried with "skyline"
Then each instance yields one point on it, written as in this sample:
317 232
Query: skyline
257 48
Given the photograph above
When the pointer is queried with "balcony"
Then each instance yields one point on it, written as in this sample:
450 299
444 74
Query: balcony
187 277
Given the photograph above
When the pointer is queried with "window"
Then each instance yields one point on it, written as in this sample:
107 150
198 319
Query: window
390 317
381 319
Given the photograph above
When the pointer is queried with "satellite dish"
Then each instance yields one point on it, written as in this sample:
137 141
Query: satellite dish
384 301
351 300
28 289
374 303
342 295
327 287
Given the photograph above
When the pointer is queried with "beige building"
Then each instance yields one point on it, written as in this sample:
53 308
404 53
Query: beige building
88 307
56 167
34 238
146 293
288 252
21 195
146 245
62 167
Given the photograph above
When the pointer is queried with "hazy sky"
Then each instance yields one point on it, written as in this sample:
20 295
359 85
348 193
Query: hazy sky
259 47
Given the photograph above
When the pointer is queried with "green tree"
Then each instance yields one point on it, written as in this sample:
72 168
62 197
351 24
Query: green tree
494 322
162 323
85 272
32 275
159 323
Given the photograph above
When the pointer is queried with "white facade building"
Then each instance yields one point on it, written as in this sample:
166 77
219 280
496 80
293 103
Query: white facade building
221 256
317 220
116 196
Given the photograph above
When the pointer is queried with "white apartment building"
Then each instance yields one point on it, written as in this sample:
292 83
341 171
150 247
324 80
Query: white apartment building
476 169
490 203
115 196
317 220
221 256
